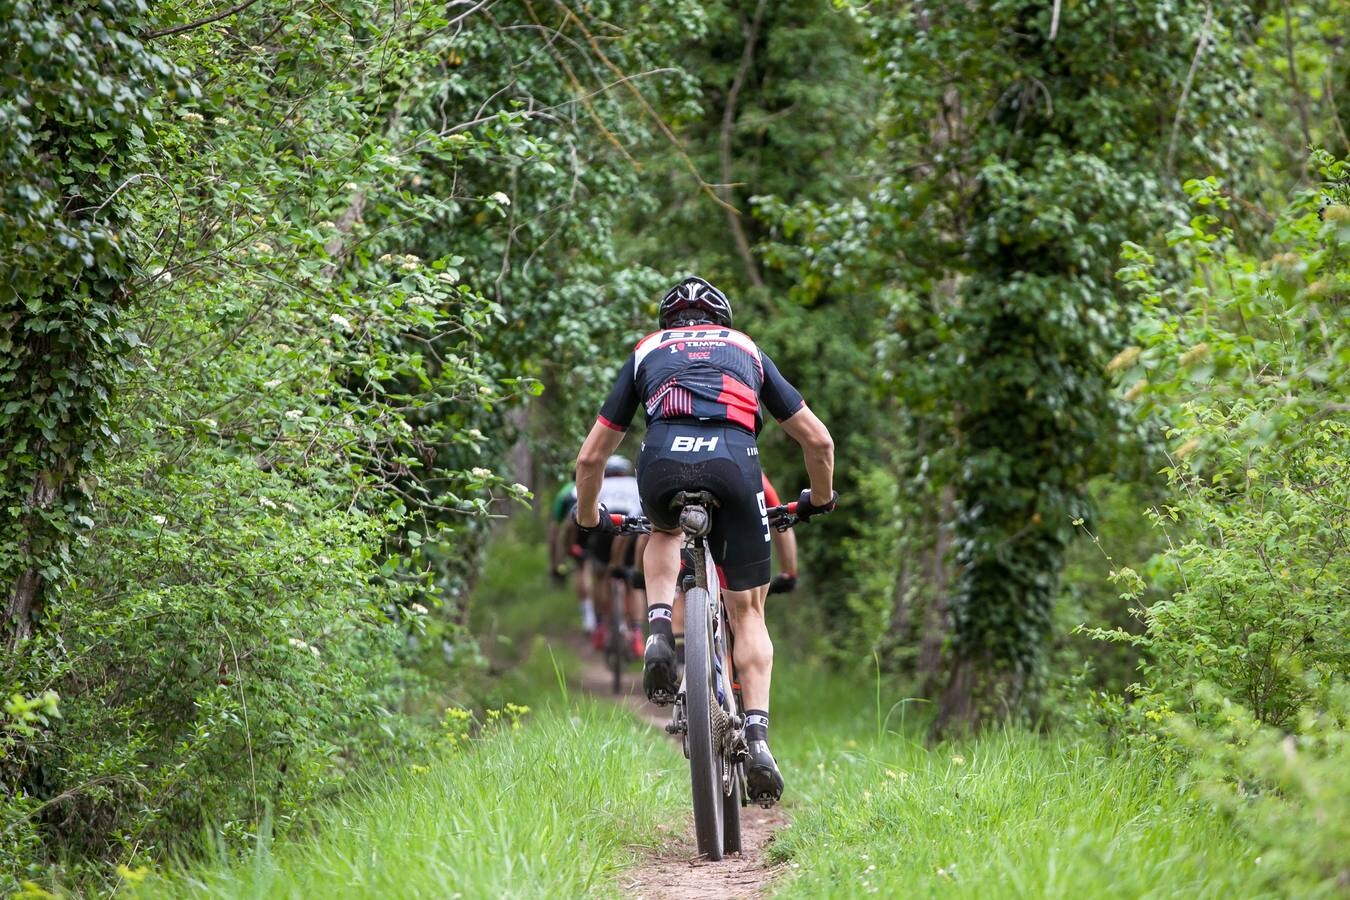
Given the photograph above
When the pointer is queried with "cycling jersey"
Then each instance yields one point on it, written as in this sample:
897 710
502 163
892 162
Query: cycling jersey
563 501
702 373
619 494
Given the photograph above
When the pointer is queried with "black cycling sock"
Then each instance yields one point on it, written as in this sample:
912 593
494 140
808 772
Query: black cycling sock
756 725
679 649
658 620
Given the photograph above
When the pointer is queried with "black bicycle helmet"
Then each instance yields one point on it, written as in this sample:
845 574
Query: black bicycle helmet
618 466
694 299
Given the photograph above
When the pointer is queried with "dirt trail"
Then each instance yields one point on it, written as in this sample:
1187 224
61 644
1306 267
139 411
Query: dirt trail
676 872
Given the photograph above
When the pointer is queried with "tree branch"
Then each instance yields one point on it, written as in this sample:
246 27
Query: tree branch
724 148
1190 77
179 29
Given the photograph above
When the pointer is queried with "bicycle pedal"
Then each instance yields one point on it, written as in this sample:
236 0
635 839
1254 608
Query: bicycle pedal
766 801
661 698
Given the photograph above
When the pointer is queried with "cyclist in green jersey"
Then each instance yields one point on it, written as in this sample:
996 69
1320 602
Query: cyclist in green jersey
563 544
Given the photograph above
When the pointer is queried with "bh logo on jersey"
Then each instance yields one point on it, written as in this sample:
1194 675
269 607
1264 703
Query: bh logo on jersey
687 443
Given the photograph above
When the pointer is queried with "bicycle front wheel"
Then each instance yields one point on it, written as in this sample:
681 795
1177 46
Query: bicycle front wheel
706 718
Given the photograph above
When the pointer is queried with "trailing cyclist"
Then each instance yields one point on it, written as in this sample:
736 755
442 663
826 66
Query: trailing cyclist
611 557
565 543
703 387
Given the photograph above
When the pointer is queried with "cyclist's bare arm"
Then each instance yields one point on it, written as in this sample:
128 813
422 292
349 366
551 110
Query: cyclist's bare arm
806 429
599 445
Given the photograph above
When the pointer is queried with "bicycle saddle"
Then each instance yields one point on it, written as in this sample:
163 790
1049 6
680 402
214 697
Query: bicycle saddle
694 507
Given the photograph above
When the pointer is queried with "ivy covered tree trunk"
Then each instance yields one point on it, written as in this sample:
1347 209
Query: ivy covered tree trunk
74 128
1025 142
1083 120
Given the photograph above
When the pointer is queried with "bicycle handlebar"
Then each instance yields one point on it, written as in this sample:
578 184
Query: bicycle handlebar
783 517
630 524
780 517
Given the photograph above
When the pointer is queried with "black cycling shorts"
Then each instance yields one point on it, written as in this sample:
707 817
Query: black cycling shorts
600 547
696 456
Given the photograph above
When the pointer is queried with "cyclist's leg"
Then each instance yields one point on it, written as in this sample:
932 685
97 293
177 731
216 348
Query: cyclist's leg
754 648
598 547
660 478
661 563
677 607
740 540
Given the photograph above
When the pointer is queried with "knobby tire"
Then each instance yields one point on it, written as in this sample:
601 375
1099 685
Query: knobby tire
705 760
731 815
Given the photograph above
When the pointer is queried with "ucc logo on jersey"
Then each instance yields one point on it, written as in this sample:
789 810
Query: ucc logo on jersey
687 443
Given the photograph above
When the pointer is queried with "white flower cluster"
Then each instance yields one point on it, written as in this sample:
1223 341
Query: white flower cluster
302 645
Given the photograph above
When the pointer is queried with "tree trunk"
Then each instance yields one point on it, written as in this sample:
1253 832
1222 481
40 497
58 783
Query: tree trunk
934 635
738 235
26 588
979 691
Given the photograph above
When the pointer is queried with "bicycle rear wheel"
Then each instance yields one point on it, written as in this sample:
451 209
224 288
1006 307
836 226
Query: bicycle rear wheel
704 716
731 813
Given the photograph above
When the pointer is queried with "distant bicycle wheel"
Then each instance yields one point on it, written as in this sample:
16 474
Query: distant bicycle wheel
616 648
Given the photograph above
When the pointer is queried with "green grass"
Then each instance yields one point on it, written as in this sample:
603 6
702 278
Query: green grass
514 601
552 809
1011 814
560 806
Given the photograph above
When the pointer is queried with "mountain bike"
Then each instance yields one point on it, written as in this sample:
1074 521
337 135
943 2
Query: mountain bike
707 708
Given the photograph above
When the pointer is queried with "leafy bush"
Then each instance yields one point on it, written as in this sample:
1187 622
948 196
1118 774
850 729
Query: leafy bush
305 412
1250 365
1245 654
1288 790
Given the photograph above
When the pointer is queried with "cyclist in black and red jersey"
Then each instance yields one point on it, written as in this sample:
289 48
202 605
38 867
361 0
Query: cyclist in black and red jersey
703 386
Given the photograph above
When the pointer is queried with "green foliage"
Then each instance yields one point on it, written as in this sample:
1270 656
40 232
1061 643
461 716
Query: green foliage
75 126
1011 814
1245 653
1289 793
556 807
1250 364
328 300
1014 165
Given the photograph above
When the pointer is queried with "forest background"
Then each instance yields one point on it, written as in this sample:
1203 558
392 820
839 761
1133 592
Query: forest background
302 298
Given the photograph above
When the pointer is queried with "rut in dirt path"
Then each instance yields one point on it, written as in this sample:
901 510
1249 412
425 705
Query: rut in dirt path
677 872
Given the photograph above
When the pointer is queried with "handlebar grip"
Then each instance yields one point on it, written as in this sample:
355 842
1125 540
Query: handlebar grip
617 519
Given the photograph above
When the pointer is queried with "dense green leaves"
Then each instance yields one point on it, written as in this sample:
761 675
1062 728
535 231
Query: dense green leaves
359 237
